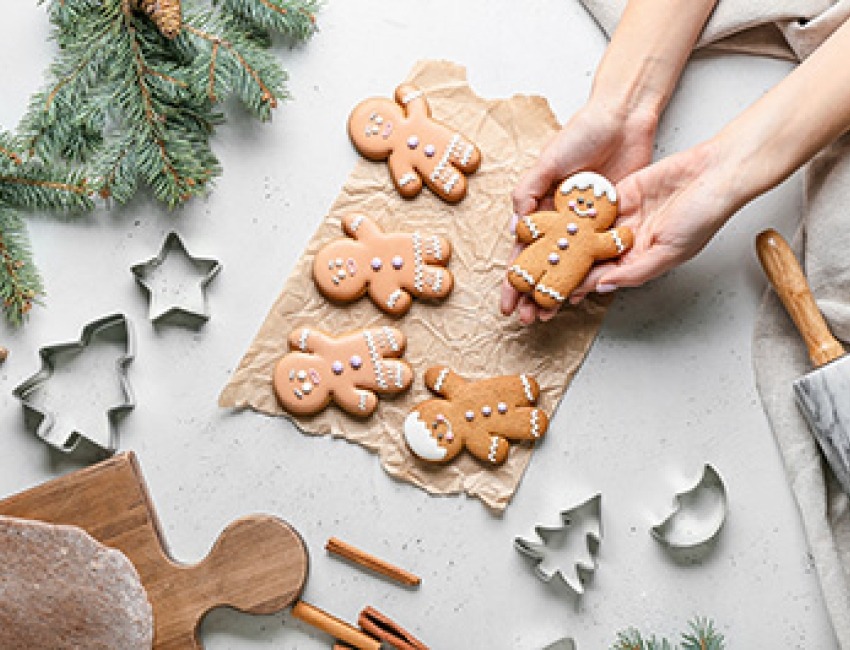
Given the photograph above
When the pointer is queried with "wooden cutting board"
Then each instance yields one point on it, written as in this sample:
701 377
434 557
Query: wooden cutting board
258 564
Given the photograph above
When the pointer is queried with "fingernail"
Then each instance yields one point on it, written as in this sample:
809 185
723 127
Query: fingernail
605 288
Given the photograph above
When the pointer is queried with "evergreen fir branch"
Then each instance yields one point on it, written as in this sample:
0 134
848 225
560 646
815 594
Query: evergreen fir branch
229 63
20 284
702 636
296 19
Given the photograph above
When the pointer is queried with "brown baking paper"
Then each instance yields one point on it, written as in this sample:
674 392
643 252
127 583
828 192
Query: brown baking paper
466 331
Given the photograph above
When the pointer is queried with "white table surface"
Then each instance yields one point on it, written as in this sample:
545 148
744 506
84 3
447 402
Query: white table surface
666 387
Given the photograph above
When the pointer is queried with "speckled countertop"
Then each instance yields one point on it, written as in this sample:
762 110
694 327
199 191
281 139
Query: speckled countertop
666 387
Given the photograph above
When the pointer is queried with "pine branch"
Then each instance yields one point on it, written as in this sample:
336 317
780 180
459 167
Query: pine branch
702 636
20 284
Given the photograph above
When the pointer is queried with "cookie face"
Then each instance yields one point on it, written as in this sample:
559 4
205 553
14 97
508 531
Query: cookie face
349 370
372 127
418 149
429 433
301 383
563 245
393 268
480 416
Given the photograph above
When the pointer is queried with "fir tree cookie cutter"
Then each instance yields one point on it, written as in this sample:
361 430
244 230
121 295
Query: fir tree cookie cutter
579 524
698 514
566 643
61 397
176 283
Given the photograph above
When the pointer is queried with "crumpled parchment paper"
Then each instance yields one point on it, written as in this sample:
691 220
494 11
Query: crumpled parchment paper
466 331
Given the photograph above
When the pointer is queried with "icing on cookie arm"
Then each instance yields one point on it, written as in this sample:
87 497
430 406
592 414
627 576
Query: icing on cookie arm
356 400
612 243
306 339
531 227
413 100
492 449
360 227
404 175
443 382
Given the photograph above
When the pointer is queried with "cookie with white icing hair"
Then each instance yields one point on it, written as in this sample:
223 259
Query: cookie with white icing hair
347 370
481 416
418 149
563 245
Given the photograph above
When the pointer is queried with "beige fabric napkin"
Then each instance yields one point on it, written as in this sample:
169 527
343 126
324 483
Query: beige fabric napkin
466 331
792 29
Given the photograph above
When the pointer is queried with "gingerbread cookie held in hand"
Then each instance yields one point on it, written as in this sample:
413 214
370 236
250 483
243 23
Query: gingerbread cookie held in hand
563 245
393 268
478 415
347 370
417 148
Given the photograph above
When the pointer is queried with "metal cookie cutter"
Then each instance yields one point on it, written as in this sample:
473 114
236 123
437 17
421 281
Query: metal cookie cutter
698 515
562 644
59 399
577 539
176 283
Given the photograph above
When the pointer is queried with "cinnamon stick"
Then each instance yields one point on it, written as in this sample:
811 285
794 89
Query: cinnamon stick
337 628
378 565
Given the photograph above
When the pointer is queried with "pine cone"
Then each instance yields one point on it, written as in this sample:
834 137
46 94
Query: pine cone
165 14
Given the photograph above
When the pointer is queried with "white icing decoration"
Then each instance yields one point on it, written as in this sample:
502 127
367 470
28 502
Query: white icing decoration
399 376
393 298
467 155
355 223
535 424
532 227
549 291
391 340
618 242
521 272
409 97
375 357
302 342
437 283
526 387
494 447
361 404
437 250
441 379
583 180
418 274
419 439
406 179
449 186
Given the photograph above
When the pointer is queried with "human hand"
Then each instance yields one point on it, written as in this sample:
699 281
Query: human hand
596 138
674 207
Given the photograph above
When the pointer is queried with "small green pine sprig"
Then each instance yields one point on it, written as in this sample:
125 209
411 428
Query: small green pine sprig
701 636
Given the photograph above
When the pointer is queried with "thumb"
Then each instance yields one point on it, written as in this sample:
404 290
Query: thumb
535 183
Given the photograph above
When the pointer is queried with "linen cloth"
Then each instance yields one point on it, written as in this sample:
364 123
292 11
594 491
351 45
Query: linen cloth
792 29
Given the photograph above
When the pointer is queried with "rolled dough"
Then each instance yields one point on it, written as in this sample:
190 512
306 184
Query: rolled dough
61 589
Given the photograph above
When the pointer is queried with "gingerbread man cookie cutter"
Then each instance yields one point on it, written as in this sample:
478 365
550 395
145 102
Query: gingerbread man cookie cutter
60 426
580 525
348 370
393 268
480 416
563 245
418 149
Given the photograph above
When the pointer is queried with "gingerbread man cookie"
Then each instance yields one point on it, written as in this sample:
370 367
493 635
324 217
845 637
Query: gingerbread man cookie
563 245
392 267
479 415
347 370
417 148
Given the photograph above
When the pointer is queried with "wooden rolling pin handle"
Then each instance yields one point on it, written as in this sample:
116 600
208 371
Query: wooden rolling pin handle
784 272
337 628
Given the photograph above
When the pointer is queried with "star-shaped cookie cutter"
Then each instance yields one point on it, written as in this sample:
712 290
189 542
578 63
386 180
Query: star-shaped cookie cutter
176 299
587 517
113 328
